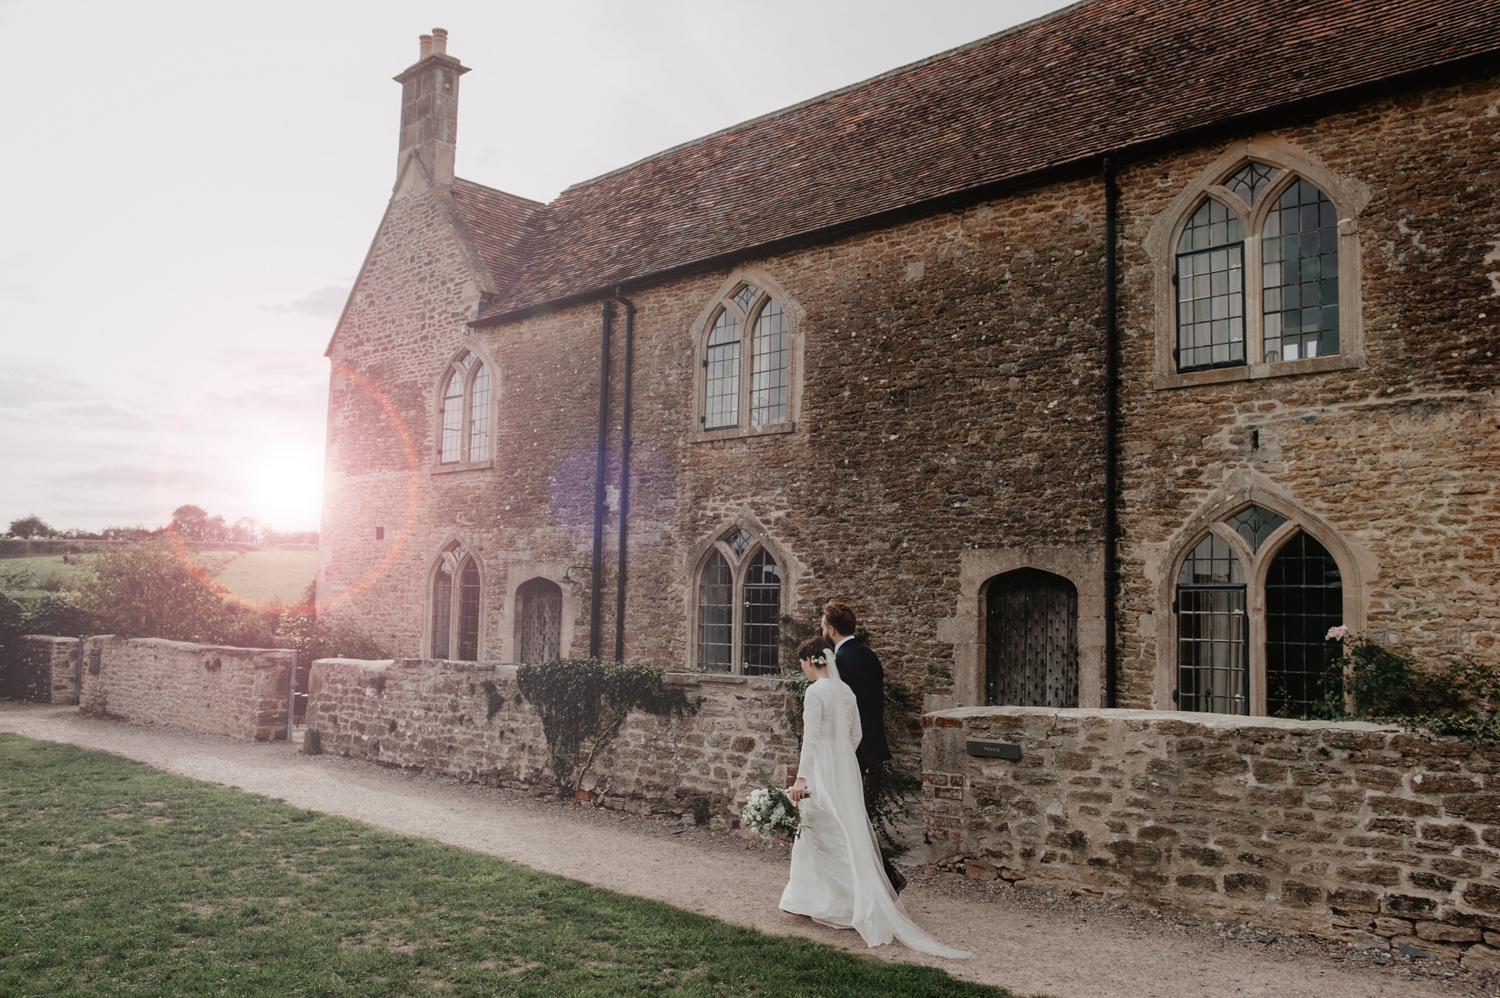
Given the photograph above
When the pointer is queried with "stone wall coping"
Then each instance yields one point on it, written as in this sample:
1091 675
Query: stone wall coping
507 671
269 656
1215 721
699 678
51 637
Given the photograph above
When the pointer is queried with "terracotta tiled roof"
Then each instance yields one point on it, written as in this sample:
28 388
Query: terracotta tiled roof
1095 77
499 223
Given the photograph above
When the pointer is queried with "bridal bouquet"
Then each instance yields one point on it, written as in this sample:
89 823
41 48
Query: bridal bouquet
770 813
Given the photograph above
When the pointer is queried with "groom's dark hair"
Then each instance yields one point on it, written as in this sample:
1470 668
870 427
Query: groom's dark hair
840 617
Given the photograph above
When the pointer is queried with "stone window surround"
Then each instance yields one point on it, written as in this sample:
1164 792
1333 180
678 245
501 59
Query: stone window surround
703 326
521 572
1349 198
697 558
451 542
1357 568
440 385
1080 564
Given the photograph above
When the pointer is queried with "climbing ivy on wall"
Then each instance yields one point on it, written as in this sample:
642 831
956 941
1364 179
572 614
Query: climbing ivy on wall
584 701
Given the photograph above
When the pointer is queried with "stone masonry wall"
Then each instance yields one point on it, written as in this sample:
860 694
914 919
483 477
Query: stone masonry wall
469 720
1347 830
236 692
41 668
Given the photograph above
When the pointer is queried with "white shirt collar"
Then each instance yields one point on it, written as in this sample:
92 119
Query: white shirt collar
847 637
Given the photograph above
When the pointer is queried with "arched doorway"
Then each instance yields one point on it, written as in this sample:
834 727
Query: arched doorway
540 621
1031 640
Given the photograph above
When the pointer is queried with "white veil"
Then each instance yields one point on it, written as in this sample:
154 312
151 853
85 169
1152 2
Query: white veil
878 914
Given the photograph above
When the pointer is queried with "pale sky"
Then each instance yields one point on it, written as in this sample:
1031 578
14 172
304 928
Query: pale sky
190 188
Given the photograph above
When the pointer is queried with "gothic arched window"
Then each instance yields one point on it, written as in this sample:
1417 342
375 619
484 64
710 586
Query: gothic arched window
455 606
746 354
1257 270
463 435
1254 600
739 607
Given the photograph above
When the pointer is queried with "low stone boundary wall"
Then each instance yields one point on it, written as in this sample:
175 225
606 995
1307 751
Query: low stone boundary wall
1346 830
469 720
41 668
212 689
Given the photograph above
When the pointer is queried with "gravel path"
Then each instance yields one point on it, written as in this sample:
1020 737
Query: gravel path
1030 942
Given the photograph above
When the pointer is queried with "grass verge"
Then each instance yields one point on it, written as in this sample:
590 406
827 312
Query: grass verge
120 879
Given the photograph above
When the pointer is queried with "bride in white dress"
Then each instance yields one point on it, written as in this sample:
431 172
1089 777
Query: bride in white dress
837 878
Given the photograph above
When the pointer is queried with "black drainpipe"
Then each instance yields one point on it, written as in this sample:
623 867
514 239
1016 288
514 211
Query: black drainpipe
624 475
596 598
1111 421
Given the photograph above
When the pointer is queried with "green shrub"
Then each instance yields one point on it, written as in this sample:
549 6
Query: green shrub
584 701
1366 681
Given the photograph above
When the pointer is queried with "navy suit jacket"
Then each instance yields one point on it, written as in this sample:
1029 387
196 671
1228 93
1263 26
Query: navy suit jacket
860 668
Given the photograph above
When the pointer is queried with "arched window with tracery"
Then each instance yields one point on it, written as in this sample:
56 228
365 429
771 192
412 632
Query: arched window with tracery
1254 600
455 601
746 361
464 412
1262 259
739 593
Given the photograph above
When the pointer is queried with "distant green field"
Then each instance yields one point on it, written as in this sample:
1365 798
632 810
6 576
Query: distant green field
267 575
40 572
263 576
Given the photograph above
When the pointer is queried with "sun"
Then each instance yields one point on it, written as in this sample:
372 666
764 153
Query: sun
287 487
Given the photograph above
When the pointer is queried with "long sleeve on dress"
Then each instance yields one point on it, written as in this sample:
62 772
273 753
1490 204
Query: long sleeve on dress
812 728
856 732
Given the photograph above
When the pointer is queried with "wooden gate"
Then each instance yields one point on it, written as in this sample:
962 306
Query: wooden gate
1031 640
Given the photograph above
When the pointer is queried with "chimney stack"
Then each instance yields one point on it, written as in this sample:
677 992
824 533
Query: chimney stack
429 108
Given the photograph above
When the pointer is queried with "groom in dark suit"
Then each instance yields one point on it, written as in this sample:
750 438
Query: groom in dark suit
860 669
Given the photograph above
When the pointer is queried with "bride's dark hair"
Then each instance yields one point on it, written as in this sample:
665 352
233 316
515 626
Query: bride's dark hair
813 648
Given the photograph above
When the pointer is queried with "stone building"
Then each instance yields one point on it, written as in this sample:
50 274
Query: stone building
1213 288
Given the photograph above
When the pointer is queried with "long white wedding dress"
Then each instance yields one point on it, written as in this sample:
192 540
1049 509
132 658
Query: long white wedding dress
837 877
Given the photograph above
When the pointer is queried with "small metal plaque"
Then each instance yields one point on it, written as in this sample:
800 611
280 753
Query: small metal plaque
995 750
94 661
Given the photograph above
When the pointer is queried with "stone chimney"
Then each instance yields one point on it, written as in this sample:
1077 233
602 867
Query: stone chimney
429 108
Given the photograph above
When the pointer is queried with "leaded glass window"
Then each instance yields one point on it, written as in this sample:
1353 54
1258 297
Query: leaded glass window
1212 638
453 419
1255 274
1210 289
442 610
479 415
722 362
1304 598
739 607
468 614
760 630
464 412
747 363
739 541
1255 525
768 371
1252 180
716 615
1300 253
455 604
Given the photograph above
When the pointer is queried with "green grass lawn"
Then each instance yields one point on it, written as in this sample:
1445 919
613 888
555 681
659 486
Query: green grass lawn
266 575
118 879
40 573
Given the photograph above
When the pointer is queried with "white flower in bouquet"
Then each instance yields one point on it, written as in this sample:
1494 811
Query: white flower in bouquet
771 814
